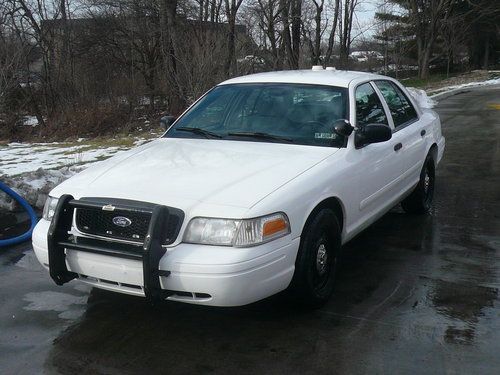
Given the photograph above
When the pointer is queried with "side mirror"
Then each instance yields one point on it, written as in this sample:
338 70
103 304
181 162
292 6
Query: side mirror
372 133
166 121
342 127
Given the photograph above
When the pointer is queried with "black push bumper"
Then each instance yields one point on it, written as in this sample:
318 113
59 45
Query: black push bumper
149 253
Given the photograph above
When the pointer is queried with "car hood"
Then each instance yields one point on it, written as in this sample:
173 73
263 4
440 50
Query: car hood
181 172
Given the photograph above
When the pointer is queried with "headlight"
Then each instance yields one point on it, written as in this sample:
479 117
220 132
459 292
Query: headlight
49 208
238 233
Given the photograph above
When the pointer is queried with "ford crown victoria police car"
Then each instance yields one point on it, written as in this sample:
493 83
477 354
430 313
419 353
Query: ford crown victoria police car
251 191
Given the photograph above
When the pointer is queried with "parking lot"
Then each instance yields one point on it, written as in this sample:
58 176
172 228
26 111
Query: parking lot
415 295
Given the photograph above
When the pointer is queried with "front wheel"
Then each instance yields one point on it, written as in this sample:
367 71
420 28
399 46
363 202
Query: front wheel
317 260
420 200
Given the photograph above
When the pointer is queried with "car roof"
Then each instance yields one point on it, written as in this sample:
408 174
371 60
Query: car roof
339 78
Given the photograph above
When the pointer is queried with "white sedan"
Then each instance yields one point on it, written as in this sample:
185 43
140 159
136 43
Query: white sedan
253 190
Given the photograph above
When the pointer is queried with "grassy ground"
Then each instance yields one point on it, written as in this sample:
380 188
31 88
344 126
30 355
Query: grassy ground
423 83
119 140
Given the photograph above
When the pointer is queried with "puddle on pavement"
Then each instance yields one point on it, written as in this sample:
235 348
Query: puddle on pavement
463 305
67 306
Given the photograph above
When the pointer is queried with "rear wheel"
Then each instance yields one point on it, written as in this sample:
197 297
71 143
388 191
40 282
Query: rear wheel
420 200
317 260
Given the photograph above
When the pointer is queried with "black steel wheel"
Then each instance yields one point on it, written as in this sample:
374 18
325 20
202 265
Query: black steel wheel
420 200
317 259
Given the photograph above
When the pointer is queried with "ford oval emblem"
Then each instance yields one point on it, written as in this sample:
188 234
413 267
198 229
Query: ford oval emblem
122 221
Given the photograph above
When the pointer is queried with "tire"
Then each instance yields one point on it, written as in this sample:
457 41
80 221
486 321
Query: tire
420 200
317 260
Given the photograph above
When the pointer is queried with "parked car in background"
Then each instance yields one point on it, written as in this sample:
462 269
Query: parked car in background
253 190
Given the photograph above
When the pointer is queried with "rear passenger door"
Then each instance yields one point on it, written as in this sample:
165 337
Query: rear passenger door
409 130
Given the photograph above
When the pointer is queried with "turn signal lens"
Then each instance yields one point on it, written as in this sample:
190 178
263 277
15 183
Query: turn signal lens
262 229
274 226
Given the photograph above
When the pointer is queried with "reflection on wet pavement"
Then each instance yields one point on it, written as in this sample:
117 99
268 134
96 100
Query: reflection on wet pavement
13 223
415 295
56 301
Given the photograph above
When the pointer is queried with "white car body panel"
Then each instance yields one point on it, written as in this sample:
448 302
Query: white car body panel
239 179
187 172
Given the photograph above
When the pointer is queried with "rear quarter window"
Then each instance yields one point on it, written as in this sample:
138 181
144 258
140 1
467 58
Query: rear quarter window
402 110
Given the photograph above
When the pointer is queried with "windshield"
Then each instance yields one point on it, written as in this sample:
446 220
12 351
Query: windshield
284 113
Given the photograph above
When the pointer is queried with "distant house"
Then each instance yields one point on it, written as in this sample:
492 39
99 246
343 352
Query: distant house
363 56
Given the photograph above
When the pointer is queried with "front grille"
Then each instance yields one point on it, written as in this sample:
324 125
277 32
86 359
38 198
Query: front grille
99 222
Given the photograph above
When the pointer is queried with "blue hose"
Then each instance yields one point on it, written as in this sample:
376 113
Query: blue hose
26 235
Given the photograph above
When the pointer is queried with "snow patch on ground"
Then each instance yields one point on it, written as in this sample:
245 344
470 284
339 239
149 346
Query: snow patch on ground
18 158
425 98
35 186
34 169
421 97
495 81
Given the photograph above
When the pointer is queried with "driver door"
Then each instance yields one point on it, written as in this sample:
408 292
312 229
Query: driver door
376 167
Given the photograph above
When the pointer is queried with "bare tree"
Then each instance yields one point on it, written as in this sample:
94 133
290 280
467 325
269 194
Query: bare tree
333 29
346 21
232 7
426 16
269 14
453 31
315 33
27 19
13 55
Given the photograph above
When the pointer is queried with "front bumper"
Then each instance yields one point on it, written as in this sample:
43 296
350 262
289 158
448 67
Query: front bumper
200 274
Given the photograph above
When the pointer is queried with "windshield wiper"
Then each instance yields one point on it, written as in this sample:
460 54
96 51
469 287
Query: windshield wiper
200 131
261 136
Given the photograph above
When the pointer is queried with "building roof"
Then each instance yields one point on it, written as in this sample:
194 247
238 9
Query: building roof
339 78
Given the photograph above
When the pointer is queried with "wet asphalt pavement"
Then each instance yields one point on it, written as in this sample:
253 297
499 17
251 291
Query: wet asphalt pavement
415 295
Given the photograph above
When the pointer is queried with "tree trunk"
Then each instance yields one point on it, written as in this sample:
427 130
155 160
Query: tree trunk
296 13
346 28
424 63
230 47
331 38
286 38
316 53
269 30
168 12
486 59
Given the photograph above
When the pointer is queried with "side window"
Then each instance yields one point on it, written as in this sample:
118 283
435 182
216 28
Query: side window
402 110
369 109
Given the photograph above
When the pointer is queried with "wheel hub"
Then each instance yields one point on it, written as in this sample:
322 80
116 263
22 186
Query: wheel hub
321 258
427 181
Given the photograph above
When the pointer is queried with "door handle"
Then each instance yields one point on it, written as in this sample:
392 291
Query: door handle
422 133
398 146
